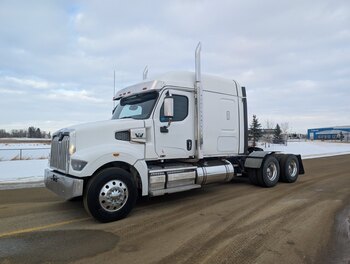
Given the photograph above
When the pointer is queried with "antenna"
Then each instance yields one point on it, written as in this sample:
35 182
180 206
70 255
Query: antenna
113 89
145 72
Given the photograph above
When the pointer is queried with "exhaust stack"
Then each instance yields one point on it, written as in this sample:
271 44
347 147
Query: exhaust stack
145 72
199 101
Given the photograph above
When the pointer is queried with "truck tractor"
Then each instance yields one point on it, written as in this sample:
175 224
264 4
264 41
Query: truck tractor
176 132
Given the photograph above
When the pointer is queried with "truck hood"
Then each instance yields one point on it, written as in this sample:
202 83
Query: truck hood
118 124
101 132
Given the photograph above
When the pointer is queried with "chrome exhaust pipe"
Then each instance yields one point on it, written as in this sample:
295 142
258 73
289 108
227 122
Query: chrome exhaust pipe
199 101
198 62
145 72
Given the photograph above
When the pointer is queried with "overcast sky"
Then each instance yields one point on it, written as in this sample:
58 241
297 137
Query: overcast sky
57 57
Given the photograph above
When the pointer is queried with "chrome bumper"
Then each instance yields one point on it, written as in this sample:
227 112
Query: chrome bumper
62 185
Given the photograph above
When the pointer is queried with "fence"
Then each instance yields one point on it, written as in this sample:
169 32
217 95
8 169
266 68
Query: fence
24 153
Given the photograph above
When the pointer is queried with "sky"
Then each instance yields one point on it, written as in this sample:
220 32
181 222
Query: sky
57 58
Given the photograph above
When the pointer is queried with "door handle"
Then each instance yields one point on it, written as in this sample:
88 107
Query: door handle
164 129
189 144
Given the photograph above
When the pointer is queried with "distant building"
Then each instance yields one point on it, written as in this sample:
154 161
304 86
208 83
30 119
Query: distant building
341 133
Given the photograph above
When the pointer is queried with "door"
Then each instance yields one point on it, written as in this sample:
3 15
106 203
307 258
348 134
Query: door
177 139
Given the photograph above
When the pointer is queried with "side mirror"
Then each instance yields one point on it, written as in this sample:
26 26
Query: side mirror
168 112
168 107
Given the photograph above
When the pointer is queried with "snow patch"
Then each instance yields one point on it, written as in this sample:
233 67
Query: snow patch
16 151
22 173
310 149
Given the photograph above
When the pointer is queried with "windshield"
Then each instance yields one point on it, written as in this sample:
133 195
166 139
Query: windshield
138 106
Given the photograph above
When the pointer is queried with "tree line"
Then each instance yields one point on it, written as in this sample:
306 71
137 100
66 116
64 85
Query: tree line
274 134
31 132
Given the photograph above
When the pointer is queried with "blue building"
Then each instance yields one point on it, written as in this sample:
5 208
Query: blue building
329 133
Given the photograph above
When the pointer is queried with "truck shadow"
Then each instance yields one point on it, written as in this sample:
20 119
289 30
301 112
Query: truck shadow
211 189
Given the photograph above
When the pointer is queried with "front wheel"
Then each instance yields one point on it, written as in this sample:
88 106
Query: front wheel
110 195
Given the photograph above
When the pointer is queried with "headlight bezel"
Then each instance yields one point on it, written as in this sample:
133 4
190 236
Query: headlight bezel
72 143
78 165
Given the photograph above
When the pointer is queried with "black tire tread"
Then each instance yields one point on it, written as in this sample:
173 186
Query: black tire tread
284 167
261 177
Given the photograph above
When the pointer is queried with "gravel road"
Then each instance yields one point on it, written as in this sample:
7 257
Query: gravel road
304 222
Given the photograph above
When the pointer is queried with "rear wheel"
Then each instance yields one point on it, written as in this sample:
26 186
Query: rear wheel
110 195
289 168
269 173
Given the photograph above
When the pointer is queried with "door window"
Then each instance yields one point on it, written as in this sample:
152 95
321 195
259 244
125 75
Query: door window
180 109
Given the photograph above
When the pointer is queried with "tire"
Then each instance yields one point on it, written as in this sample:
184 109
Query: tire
110 195
269 173
289 168
252 175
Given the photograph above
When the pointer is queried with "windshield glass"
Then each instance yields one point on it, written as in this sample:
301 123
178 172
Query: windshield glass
138 106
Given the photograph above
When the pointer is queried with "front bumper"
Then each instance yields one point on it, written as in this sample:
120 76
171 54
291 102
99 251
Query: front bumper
62 185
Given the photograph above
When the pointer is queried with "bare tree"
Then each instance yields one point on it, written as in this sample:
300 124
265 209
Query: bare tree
269 125
285 127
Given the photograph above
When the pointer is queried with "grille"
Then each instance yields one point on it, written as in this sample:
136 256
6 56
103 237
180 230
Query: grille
123 135
60 153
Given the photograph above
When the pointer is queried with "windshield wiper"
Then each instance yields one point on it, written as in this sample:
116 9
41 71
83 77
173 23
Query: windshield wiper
126 117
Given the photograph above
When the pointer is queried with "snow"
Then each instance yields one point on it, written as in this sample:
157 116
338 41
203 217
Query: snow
310 149
15 151
26 139
22 173
30 173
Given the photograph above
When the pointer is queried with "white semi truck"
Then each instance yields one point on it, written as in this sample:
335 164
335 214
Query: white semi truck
175 133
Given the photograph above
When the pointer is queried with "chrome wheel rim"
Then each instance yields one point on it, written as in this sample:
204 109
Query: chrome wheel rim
113 195
292 169
271 171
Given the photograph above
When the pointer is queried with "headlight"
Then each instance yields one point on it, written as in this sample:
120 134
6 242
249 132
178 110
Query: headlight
72 141
78 165
71 149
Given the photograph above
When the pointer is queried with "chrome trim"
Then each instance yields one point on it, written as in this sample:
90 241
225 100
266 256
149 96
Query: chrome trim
174 190
59 158
64 186
222 171
171 169
157 182
113 195
271 171
293 169
178 177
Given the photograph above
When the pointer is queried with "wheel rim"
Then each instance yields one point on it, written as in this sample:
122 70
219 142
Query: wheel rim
271 171
292 169
113 195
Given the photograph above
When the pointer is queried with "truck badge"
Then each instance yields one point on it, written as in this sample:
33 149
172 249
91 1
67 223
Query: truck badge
54 178
139 135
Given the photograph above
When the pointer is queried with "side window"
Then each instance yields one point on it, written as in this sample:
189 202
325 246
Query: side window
180 109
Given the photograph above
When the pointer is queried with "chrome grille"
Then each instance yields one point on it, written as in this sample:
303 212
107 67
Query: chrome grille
60 153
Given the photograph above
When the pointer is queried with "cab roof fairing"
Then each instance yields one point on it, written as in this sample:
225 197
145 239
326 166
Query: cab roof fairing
143 87
210 83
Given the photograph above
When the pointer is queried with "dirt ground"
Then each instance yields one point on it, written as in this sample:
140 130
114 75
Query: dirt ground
304 222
